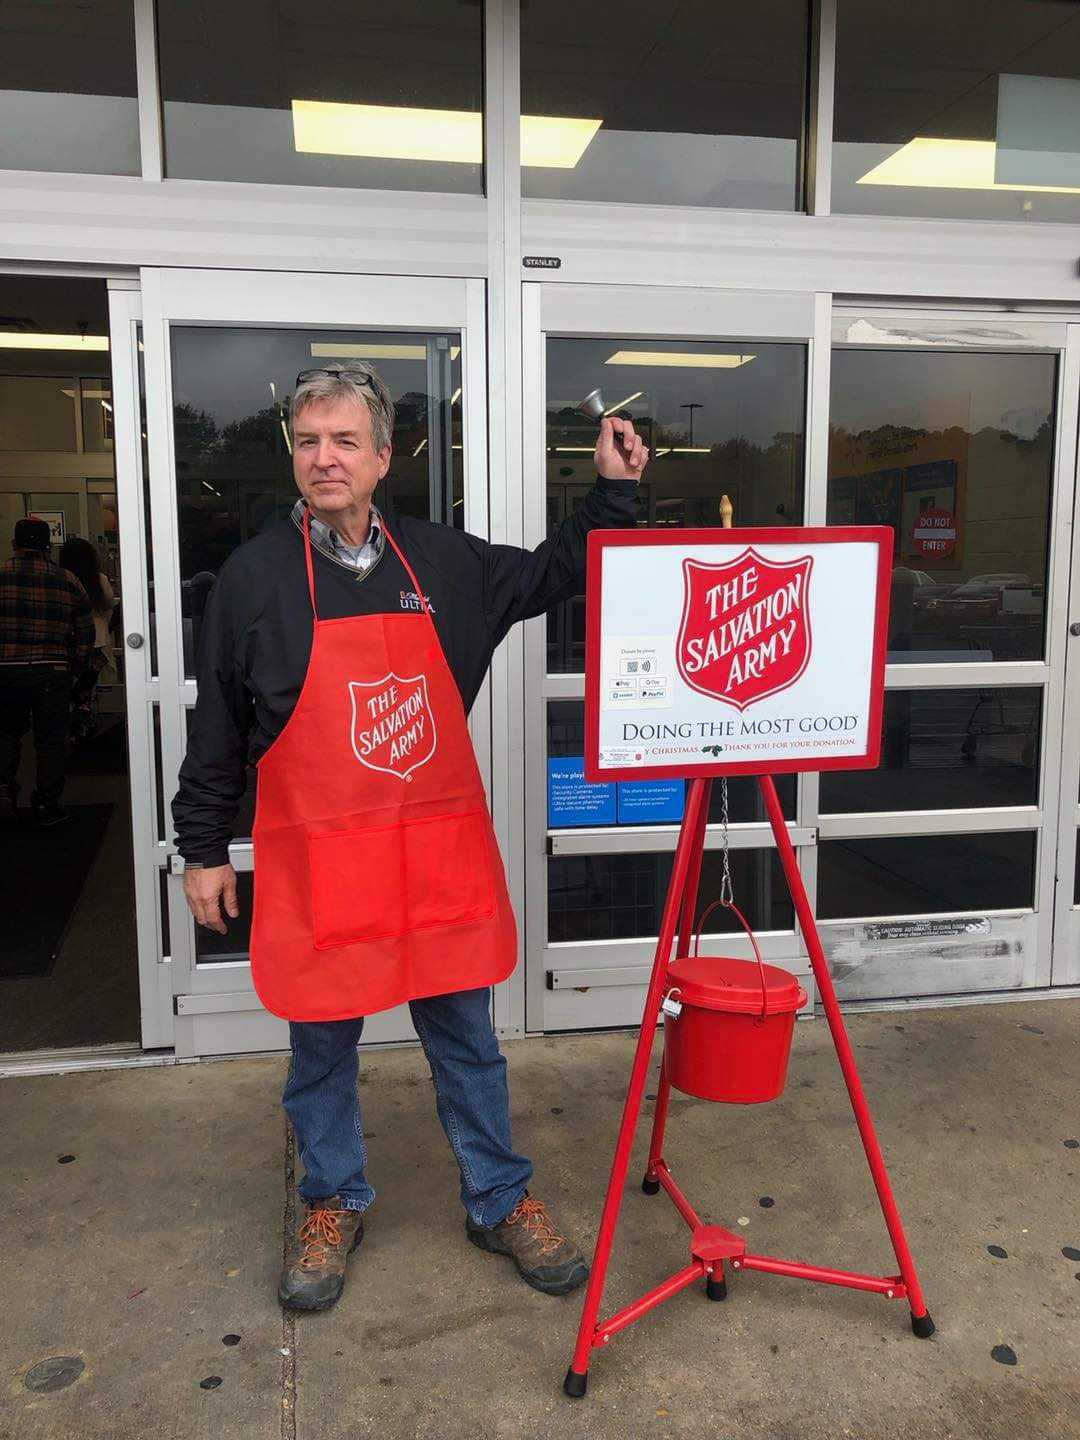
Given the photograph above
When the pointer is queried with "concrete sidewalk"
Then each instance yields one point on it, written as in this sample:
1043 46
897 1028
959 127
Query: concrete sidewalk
151 1257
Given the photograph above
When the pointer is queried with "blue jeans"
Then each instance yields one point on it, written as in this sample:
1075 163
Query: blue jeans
471 1098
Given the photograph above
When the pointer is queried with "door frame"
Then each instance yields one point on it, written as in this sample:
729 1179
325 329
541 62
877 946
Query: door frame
595 984
568 309
1029 931
217 1011
1065 959
141 685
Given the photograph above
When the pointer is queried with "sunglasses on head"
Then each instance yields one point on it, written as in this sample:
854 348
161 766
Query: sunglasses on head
360 376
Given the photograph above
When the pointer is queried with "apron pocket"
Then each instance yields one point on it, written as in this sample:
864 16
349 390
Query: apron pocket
389 880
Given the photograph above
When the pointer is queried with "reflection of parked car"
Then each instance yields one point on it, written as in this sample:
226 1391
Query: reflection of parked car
927 590
986 595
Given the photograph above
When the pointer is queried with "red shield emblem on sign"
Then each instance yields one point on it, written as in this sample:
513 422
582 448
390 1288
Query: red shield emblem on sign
745 631
393 728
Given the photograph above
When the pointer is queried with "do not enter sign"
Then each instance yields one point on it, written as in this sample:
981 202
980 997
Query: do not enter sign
935 533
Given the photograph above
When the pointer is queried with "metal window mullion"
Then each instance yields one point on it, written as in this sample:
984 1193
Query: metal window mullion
822 98
661 839
151 147
977 675
502 186
895 824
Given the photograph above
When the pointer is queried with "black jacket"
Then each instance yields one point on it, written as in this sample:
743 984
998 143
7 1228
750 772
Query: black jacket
256 634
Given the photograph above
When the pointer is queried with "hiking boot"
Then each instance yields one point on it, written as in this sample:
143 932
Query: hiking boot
545 1259
314 1274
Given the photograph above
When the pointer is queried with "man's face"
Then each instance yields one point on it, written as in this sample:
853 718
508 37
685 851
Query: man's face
335 463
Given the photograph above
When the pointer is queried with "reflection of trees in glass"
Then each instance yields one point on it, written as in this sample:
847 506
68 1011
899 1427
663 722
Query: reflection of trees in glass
987 595
234 480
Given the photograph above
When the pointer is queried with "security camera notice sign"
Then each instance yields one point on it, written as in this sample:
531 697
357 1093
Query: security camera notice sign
737 652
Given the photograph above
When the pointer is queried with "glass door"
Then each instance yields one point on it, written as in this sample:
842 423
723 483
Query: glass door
222 353
936 871
717 383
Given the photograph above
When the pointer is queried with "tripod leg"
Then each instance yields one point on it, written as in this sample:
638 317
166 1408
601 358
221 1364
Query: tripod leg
575 1382
921 1323
650 1184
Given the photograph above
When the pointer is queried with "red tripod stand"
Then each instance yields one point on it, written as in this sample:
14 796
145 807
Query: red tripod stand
712 1245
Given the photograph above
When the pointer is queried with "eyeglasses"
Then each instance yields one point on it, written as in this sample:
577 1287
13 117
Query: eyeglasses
361 377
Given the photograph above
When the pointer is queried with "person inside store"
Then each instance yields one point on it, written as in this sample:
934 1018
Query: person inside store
46 640
80 557
341 651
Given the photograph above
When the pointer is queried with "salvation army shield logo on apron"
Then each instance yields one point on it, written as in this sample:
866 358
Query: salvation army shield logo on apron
393 728
745 630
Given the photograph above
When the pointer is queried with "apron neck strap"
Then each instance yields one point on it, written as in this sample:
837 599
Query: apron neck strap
310 566
409 571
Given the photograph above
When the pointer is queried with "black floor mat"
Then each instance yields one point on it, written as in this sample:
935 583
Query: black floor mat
44 869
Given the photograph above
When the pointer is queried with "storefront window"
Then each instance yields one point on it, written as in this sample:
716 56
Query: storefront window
670 104
67 87
926 875
621 897
969 109
366 95
947 750
718 416
955 452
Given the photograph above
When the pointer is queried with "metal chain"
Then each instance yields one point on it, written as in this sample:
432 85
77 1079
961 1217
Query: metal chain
727 893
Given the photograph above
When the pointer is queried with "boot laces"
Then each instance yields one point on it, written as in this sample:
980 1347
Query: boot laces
534 1216
320 1233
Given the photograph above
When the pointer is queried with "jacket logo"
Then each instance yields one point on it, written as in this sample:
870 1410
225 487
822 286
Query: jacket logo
411 601
393 728
745 630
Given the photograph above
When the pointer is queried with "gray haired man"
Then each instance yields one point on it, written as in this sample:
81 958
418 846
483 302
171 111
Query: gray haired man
254 655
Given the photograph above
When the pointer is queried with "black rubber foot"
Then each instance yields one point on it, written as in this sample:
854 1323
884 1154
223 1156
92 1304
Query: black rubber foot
922 1326
575 1385
651 1187
715 1289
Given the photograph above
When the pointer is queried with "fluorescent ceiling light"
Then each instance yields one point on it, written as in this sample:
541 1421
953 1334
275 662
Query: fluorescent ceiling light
90 394
555 142
401 132
19 340
678 357
456 396
419 448
635 396
948 165
364 350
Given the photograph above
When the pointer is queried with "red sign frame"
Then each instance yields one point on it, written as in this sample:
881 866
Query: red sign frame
598 541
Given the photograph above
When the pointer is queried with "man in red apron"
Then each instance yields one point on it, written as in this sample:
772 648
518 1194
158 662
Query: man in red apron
341 651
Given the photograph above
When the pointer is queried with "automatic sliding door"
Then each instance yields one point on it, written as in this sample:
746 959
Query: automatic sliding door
720 399
228 365
935 871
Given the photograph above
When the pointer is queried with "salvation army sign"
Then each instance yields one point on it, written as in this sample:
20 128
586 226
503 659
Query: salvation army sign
735 651
745 630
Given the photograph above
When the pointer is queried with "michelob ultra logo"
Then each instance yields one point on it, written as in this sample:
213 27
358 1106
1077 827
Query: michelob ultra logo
393 729
745 630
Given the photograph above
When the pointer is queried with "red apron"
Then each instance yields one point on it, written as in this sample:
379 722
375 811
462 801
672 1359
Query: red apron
378 878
